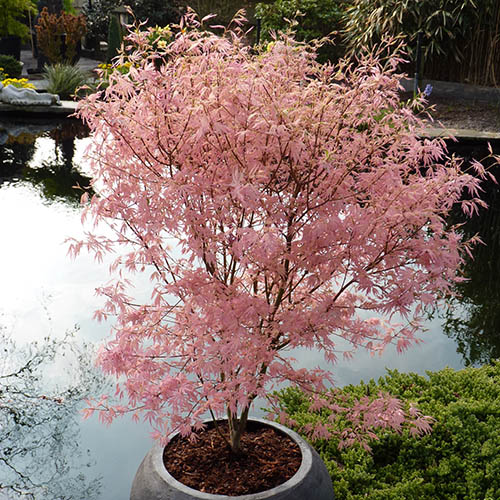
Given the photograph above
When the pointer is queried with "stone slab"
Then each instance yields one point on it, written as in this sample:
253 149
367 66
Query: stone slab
464 134
66 108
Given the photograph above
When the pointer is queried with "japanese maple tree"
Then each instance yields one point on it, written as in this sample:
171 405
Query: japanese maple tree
276 203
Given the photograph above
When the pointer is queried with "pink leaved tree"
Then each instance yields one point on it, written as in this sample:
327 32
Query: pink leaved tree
276 203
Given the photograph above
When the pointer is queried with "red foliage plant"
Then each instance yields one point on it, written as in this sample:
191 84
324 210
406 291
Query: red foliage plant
50 29
277 203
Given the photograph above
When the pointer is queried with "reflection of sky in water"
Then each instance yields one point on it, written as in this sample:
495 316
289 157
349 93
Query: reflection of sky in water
43 292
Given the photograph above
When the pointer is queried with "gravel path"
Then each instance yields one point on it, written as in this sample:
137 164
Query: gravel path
464 114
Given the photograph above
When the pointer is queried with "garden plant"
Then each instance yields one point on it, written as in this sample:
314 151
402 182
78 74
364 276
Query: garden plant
97 15
11 67
115 37
64 79
460 459
275 203
59 36
20 83
465 32
12 13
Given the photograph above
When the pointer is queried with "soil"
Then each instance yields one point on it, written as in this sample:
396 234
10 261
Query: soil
464 114
267 459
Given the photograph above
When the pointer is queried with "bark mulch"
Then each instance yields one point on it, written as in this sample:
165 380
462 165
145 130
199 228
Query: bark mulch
267 459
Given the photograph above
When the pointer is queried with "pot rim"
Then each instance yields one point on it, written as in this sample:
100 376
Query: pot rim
297 478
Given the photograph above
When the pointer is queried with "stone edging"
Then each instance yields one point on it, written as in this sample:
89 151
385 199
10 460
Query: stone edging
66 108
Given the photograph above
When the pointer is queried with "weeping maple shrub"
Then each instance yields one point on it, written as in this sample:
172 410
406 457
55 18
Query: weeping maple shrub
276 203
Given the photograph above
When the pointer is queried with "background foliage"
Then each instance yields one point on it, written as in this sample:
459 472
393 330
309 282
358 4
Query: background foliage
318 18
459 460
12 13
463 34
152 12
10 66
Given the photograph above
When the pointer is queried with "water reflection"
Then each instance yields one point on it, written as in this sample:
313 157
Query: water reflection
474 321
40 456
55 175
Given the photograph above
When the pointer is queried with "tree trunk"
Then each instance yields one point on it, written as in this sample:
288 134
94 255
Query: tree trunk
236 428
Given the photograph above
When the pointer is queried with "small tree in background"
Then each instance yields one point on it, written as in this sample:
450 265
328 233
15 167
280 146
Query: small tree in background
12 14
115 37
276 203
465 32
59 36
97 16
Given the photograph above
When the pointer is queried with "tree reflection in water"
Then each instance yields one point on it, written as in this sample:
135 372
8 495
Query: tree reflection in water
56 178
40 456
473 321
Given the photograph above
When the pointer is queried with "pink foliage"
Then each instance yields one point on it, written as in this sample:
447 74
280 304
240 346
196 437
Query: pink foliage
276 203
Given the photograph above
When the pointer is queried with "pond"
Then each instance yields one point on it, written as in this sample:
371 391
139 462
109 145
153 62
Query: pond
44 293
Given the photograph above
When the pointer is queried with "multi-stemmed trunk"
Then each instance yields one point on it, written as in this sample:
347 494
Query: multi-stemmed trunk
236 428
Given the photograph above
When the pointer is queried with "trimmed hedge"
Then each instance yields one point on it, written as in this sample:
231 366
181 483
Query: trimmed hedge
459 460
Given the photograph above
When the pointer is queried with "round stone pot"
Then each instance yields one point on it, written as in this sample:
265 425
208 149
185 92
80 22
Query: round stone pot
312 481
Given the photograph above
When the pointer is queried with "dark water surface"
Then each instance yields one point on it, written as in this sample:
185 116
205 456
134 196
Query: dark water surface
44 293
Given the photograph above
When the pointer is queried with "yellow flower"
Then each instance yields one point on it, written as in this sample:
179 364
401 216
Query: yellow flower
21 83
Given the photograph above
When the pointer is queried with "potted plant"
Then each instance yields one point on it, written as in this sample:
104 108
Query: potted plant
12 28
59 36
276 203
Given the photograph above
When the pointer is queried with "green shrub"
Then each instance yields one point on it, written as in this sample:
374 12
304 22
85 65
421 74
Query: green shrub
68 6
316 19
115 37
156 12
64 79
223 9
97 15
11 67
442 22
459 460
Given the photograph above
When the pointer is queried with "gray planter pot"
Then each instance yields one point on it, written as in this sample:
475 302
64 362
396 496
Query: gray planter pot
311 481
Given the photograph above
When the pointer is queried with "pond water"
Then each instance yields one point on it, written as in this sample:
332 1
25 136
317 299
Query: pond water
44 293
